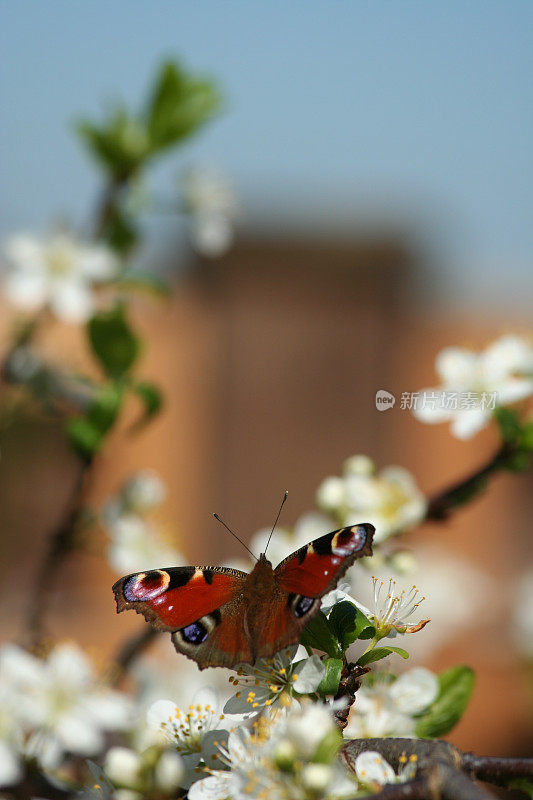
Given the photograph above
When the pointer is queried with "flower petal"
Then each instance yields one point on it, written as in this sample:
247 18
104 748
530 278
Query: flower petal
415 690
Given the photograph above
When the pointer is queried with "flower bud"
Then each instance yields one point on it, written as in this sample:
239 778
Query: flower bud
169 772
331 494
359 465
285 755
315 777
123 767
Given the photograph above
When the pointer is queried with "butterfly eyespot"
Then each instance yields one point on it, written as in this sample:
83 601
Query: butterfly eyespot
195 633
301 605
146 585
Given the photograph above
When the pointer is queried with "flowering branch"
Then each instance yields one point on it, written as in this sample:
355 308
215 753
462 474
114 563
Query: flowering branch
442 770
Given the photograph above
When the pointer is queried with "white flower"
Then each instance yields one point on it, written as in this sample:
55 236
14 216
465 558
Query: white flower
142 492
456 595
10 768
273 680
373 771
497 376
273 761
57 272
387 708
307 727
392 611
196 731
134 545
213 207
389 500
61 705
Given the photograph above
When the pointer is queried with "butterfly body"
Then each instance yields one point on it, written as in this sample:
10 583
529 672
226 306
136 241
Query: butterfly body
220 616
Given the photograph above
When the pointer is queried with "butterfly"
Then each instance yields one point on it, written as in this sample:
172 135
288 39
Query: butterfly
220 616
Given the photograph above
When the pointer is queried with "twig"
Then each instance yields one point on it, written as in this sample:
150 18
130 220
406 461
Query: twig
131 650
443 771
442 504
60 544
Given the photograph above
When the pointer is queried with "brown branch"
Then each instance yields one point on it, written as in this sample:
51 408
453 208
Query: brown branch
131 650
60 544
442 504
443 771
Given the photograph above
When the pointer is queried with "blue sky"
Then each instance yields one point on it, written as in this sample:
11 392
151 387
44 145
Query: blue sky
339 115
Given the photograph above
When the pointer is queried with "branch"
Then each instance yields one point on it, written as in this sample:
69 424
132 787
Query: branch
131 650
49 384
443 771
60 545
442 504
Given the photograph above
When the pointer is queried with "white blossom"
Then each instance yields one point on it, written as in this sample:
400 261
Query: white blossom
455 592
273 681
195 731
57 272
135 545
373 771
497 376
390 500
212 204
143 492
388 707
60 705
281 758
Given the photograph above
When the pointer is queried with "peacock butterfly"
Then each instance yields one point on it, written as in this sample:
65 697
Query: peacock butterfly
220 616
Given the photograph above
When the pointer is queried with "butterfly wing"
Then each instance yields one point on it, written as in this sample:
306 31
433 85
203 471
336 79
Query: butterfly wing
203 608
303 578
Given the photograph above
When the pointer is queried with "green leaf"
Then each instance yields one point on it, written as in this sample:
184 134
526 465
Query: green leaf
120 144
87 432
85 437
456 685
151 398
113 342
318 635
332 676
347 623
377 653
179 105
508 423
328 748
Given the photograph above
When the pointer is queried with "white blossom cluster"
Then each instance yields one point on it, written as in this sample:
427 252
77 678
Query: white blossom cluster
134 543
504 368
53 707
390 500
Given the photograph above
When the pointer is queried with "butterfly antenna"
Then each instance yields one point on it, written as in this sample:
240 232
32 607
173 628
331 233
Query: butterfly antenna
235 535
276 521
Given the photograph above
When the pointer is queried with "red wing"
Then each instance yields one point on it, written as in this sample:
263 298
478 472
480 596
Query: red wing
315 569
174 598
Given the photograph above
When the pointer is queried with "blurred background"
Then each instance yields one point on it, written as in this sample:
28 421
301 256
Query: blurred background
381 156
